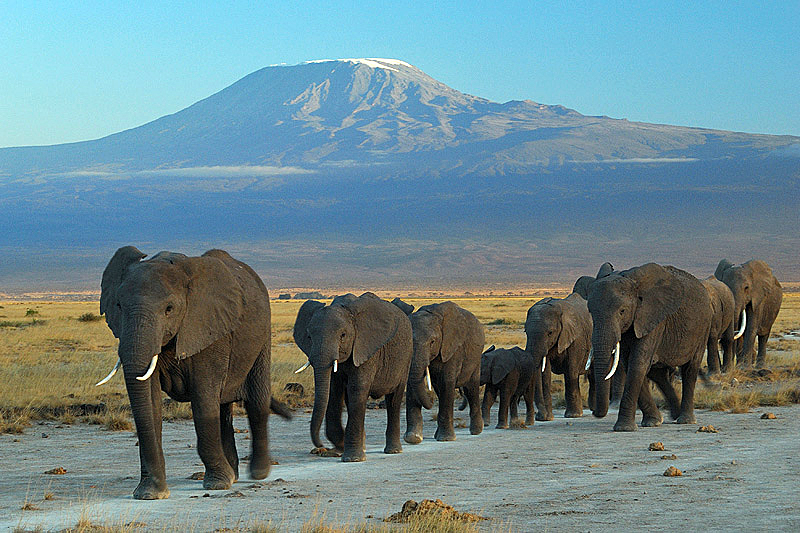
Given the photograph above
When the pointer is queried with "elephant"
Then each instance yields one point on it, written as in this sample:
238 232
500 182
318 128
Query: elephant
197 328
448 342
559 333
757 296
654 318
359 346
508 372
583 283
722 320
407 308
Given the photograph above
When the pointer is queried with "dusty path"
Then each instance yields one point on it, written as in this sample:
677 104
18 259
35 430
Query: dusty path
572 474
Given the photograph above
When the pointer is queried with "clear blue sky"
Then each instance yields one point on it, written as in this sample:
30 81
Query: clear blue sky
80 70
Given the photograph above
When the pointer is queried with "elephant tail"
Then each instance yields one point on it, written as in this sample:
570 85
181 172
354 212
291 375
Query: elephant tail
280 408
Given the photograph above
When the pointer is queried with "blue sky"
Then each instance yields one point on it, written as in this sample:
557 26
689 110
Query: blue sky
72 71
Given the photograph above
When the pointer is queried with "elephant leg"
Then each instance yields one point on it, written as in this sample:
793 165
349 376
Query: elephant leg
445 390
334 431
592 390
712 357
762 350
473 393
486 406
651 416
153 483
661 377
354 430
530 412
727 351
206 413
546 406
413 419
256 404
634 381
572 393
689 373
618 385
513 406
228 440
502 411
394 402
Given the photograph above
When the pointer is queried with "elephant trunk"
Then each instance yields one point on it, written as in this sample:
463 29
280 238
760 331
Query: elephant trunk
604 346
417 381
322 387
538 352
749 336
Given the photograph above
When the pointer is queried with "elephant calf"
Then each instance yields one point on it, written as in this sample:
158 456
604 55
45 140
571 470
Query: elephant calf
559 333
359 347
508 372
722 320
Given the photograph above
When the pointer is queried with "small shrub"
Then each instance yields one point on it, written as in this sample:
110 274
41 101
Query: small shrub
89 317
502 322
31 312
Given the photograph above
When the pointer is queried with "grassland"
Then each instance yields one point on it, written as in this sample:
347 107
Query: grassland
52 354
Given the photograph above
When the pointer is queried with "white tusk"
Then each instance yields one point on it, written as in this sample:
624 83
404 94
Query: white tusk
150 369
544 362
616 362
335 365
589 360
308 363
744 323
110 374
428 378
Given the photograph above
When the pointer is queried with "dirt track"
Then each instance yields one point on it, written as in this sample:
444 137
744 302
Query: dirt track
574 474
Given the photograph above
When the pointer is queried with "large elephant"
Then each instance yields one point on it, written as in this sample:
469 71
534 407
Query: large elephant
508 372
358 347
197 328
757 296
722 320
559 333
655 318
448 342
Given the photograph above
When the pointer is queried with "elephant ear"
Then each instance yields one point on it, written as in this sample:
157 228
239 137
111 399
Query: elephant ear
656 302
486 366
605 269
569 329
376 322
304 315
502 364
723 265
581 286
112 277
454 329
214 304
407 308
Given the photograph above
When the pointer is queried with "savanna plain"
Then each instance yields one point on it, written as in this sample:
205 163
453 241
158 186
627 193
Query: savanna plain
69 461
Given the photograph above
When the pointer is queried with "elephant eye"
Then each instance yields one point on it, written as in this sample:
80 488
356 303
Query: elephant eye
622 311
168 310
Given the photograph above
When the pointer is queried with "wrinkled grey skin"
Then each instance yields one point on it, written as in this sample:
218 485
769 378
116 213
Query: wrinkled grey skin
561 330
756 290
661 317
508 372
371 340
582 286
208 318
448 340
722 305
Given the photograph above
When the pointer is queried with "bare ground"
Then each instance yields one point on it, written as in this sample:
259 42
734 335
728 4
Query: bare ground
566 474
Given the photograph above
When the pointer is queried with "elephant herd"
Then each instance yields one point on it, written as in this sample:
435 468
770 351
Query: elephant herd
198 328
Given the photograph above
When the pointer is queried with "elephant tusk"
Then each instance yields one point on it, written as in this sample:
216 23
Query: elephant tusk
428 378
544 362
150 369
335 365
616 362
744 323
308 364
589 360
110 374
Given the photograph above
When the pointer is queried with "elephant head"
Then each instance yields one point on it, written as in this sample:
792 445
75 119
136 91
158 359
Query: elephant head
583 283
497 364
170 304
633 301
349 330
549 324
439 330
407 308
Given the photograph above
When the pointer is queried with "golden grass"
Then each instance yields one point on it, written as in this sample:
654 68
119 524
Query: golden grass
49 370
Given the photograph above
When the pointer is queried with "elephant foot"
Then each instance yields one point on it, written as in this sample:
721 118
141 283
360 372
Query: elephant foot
686 418
544 417
217 480
476 427
530 420
413 437
651 422
354 456
393 448
501 426
260 467
573 413
150 490
444 436
625 426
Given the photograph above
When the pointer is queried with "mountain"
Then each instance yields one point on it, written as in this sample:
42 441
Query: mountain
369 169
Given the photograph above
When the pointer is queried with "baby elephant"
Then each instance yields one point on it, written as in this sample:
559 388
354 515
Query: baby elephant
559 335
509 372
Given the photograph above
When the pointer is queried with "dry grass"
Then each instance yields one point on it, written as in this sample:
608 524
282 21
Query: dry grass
48 370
